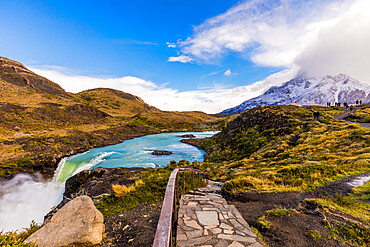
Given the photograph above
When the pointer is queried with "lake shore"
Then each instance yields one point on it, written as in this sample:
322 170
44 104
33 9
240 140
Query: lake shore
33 197
46 153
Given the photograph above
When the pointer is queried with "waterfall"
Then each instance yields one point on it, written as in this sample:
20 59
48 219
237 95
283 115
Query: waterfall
25 198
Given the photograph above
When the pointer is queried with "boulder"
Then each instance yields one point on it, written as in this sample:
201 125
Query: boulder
78 222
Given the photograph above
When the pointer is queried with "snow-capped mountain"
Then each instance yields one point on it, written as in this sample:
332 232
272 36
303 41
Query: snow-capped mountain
304 89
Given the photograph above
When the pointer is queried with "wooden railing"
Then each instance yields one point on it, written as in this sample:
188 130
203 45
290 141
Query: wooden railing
168 217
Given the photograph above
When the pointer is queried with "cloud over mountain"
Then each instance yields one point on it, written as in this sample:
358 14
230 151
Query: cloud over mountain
210 100
340 88
321 37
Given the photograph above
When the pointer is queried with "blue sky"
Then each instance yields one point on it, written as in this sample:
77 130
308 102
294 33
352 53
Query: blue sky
118 38
185 55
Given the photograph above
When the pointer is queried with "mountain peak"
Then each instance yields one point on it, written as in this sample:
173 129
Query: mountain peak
305 89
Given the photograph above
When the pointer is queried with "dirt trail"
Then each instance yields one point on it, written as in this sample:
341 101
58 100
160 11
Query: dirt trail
291 230
345 114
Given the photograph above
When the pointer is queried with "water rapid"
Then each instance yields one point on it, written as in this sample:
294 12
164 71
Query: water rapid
24 199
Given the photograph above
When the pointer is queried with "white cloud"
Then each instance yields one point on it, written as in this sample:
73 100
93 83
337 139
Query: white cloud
323 36
343 46
211 100
228 73
171 45
127 41
319 36
181 59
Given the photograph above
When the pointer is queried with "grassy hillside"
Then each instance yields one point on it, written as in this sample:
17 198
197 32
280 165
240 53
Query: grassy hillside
133 110
281 148
361 115
272 158
41 123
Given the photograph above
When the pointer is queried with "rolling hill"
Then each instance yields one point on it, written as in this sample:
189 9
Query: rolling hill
41 122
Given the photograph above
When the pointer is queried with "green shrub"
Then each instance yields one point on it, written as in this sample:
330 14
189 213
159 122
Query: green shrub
279 212
314 234
263 224
15 239
11 166
150 190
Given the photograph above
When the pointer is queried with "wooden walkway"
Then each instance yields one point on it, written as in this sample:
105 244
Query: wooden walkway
205 219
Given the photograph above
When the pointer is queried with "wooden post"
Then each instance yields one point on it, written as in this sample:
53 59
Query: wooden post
183 182
163 235
168 218
174 211
177 189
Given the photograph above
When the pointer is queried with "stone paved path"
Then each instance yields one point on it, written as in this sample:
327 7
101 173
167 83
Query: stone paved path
205 219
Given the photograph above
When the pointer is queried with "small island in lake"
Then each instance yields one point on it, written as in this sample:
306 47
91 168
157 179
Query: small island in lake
188 136
161 152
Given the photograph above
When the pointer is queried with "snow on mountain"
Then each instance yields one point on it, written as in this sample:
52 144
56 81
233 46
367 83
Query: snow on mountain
304 89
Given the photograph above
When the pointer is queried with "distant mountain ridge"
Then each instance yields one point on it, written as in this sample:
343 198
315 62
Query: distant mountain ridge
303 89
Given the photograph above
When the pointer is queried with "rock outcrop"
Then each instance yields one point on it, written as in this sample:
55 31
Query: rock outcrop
16 73
161 152
77 222
188 136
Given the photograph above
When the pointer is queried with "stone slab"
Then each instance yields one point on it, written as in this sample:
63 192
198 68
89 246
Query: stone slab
207 218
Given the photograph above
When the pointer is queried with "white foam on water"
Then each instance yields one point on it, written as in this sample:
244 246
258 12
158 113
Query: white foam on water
95 161
359 181
24 199
152 165
59 170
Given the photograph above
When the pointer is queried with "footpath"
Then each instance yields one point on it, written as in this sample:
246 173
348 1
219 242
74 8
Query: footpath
346 113
205 219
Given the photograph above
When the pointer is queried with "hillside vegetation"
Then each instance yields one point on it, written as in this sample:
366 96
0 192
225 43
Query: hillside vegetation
361 115
272 158
41 123
281 148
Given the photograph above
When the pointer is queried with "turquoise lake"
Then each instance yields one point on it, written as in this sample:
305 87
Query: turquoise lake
24 199
136 152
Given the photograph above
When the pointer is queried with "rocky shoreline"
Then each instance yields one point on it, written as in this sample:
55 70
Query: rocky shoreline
134 227
96 183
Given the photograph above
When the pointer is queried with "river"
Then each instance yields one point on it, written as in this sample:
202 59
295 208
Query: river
23 199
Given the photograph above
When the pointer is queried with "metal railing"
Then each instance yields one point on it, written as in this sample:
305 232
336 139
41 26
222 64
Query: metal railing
168 217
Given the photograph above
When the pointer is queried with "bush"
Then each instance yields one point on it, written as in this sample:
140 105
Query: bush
15 239
149 189
279 212
314 234
264 224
